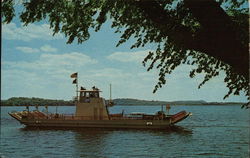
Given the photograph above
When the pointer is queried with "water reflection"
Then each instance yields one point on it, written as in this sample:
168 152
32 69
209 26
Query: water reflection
86 142
117 142
100 131
89 142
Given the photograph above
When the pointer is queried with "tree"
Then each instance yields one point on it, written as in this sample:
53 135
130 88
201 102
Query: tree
212 35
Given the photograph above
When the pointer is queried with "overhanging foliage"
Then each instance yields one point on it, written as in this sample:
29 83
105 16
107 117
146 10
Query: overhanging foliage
212 35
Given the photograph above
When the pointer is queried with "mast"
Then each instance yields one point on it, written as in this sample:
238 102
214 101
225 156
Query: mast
76 87
110 96
110 93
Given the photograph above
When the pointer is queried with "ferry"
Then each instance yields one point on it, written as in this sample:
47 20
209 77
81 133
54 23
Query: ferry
92 111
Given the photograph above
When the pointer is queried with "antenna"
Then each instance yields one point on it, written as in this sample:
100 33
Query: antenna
110 97
77 87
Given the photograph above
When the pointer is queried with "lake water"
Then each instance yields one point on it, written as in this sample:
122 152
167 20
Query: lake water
212 131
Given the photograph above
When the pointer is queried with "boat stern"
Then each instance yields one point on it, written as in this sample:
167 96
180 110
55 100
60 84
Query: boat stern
179 116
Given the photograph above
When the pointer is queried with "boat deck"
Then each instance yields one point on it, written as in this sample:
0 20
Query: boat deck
38 115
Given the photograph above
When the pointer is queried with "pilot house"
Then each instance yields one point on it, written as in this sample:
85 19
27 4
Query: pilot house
90 106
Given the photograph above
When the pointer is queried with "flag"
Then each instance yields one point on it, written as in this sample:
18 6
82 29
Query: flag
74 81
74 75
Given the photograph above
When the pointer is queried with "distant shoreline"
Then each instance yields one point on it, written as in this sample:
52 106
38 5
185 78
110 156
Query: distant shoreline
129 102
24 101
179 104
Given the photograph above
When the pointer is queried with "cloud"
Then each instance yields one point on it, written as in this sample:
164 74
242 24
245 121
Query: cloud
48 76
111 73
68 60
128 56
28 33
53 63
48 48
27 49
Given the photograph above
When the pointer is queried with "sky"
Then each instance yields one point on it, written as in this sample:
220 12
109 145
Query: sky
36 64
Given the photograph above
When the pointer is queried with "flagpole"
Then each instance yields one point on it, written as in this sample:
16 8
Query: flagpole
77 87
75 81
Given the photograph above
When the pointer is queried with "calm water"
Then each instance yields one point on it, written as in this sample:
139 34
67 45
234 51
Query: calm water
212 131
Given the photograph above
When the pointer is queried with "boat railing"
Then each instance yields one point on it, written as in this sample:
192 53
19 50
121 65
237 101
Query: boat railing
37 115
125 118
68 117
73 117
137 117
55 116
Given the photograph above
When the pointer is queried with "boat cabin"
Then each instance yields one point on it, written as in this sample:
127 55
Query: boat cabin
85 95
90 106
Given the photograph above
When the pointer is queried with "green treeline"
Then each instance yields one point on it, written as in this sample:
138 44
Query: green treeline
128 101
23 101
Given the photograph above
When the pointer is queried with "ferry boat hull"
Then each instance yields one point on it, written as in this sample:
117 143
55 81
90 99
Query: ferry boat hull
39 119
134 124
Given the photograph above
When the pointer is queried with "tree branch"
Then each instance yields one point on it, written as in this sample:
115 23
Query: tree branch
216 37
165 22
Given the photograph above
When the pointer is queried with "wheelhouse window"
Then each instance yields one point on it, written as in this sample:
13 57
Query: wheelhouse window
85 96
